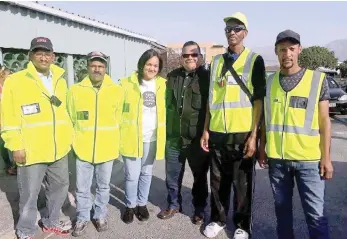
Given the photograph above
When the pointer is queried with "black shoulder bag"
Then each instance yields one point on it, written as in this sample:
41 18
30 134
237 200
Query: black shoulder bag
227 66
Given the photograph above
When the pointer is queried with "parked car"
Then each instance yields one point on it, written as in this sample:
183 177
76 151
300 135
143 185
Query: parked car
338 97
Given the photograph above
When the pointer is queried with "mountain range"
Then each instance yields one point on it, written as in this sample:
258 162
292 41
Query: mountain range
339 47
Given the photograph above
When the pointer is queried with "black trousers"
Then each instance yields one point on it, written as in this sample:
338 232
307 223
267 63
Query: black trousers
198 161
228 168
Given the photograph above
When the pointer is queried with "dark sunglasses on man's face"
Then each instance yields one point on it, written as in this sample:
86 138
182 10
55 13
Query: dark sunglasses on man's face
236 29
194 55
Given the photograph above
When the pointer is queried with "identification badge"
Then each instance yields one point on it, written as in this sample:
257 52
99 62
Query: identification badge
82 115
31 109
55 101
231 80
126 107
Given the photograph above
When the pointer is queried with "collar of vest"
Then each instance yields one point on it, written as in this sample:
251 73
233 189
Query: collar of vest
245 51
57 72
106 82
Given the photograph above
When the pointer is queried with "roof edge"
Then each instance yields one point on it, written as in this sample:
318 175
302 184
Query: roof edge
58 13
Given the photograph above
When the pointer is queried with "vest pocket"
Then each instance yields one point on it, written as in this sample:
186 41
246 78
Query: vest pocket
188 128
82 115
192 127
196 100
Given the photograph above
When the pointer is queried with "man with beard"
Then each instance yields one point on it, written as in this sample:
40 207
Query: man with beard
298 134
187 93
237 89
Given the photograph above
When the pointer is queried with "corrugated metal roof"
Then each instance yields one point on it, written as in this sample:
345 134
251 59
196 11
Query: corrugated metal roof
158 45
80 19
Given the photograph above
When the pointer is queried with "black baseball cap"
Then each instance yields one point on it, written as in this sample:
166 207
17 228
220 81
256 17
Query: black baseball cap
288 35
97 55
41 42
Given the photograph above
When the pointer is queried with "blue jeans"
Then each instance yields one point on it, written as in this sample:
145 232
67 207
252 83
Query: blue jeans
138 176
85 172
311 190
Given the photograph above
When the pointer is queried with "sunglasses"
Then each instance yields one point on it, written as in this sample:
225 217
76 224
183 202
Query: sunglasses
194 55
236 29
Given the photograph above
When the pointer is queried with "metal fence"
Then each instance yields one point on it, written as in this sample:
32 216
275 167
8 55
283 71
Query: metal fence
18 59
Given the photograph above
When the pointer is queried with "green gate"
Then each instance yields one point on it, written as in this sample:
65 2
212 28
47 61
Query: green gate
18 59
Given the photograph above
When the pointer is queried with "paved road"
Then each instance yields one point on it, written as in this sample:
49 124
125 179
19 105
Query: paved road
180 226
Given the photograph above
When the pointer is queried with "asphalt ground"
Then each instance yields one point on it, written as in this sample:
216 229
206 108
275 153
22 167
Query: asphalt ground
180 226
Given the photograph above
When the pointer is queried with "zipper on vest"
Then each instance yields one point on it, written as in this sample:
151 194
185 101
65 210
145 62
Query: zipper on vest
95 122
225 119
138 131
55 142
54 138
284 117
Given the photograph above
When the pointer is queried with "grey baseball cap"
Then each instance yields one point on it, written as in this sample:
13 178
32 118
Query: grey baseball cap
288 35
97 55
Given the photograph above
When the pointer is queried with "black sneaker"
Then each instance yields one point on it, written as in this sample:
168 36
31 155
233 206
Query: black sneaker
101 225
128 216
142 213
80 228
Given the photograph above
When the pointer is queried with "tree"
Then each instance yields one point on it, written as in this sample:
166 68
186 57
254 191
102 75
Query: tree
343 69
173 60
316 56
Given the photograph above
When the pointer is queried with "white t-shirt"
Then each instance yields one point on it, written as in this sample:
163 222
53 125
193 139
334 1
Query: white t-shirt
149 111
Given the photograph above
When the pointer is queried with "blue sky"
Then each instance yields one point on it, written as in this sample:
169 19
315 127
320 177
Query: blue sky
318 23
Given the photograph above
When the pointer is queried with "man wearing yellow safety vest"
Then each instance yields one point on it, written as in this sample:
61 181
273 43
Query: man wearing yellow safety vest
36 127
298 131
237 89
95 105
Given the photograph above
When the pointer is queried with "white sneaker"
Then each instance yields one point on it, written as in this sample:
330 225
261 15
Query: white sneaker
212 230
241 234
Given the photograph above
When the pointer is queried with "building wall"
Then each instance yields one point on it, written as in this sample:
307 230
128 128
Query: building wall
20 25
72 41
213 51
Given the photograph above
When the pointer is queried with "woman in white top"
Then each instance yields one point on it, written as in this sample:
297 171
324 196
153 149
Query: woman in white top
143 131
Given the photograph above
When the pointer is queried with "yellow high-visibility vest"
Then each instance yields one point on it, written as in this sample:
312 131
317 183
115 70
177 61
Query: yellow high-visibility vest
96 116
230 108
131 142
31 121
291 119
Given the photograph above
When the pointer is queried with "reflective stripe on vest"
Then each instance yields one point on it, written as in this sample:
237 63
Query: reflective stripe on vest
34 125
244 102
100 128
306 129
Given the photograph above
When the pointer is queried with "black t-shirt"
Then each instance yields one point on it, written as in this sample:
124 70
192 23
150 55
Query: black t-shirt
259 91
